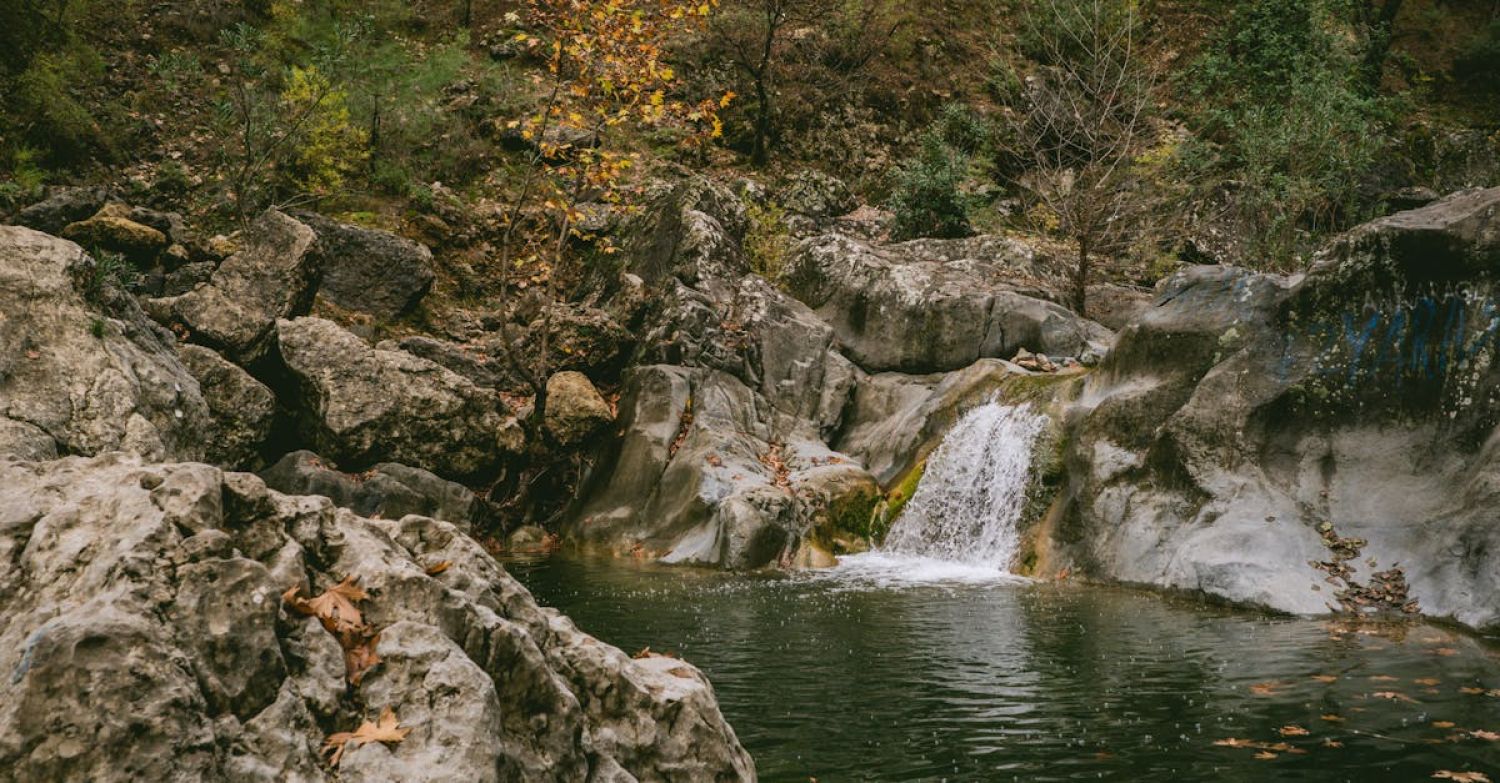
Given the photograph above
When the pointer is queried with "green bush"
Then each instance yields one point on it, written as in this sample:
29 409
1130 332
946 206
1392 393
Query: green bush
926 195
1280 108
768 241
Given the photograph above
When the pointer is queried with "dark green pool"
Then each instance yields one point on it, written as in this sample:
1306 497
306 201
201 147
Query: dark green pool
841 679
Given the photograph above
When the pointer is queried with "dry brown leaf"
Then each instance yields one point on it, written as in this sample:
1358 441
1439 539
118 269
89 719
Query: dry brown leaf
1235 742
1331 718
439 567
1292 730
1384 678
1471 691
1445 651
1265 688
337 612
1485 735
1332 743
1265 755
1443 724
334 608
1461 777
1394 696
1428 681
1325 678
385 729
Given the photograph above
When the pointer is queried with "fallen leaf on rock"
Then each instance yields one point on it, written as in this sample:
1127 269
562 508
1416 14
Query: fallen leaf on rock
385 729
1461 777
334 608
439 567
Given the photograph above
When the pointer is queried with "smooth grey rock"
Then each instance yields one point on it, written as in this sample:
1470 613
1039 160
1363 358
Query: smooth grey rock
704 474
1243 411
126 658
243 409
931 306
271 276
365 405
80 362
369 270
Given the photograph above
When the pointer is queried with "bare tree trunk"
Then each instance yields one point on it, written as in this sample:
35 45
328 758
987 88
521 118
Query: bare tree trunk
1081 278
759 149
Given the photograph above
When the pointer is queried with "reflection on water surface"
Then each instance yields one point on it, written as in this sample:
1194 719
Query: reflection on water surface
855 676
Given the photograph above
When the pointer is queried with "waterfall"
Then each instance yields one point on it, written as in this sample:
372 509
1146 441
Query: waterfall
971 496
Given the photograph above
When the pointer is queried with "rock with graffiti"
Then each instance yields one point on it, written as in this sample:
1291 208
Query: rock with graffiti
1243 414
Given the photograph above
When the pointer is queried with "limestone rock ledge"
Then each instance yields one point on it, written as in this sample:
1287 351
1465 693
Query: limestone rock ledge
144 638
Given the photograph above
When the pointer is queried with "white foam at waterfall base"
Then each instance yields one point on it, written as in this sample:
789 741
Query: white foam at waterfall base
961 524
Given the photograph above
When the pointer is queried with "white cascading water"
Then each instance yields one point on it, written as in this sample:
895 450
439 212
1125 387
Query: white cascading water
961 524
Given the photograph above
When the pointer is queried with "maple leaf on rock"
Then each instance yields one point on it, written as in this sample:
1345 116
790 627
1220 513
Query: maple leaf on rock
337 611
334 608
385 729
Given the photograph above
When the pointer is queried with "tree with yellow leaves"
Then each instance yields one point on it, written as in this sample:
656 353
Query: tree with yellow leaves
605 69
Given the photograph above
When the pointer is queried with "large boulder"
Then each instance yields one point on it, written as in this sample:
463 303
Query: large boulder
575 409
364 405
144 636
708 473
82 370
386 491
243 409
1248 431
934 306
273 275
111 229
368 270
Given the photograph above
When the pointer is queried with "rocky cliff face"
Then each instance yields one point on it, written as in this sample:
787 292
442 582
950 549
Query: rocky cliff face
1249 434
145 637
753 430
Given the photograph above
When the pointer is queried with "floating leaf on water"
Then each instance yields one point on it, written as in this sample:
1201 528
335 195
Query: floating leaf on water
1461 777
1292 730
1331 718
1443 724
1265 755
1486 735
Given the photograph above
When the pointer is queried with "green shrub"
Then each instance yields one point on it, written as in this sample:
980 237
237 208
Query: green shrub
962 128
1281 109
926 194
768 241
24 181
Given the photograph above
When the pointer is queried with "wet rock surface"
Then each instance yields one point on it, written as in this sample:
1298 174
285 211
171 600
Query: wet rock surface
1244 415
